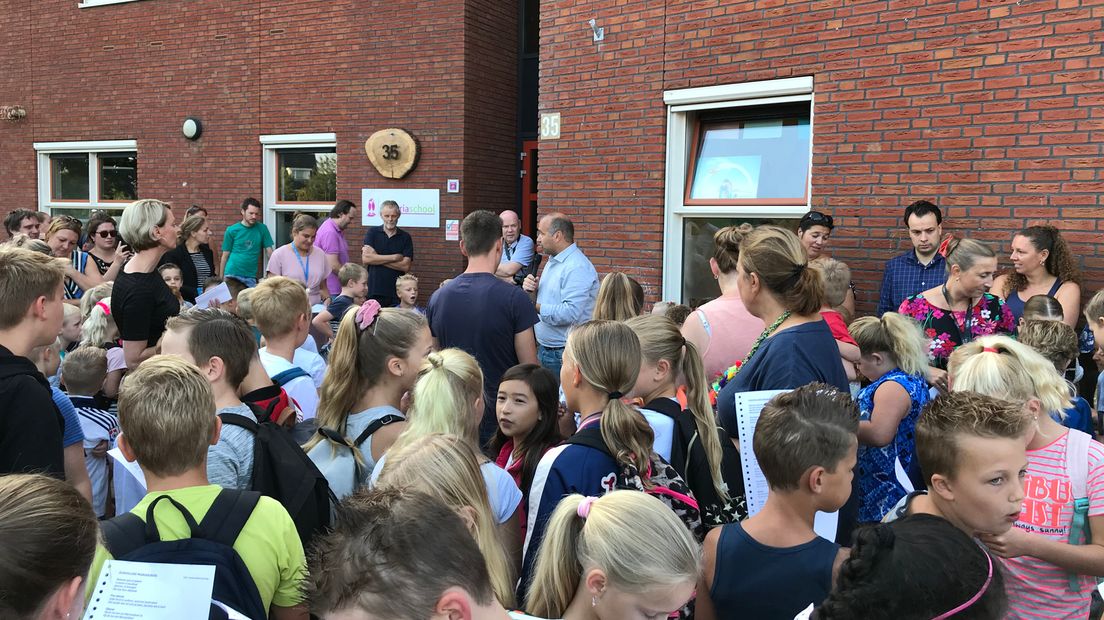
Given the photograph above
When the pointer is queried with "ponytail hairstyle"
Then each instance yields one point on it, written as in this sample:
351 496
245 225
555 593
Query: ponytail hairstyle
1054 340
1042 307
632 537
545 386
446 468
726 246
358 361
660 339
448 385
896 334
964 252
48 536
778 258
95 294
619 298
98 325
914 551
607 354
1060 262
1000 367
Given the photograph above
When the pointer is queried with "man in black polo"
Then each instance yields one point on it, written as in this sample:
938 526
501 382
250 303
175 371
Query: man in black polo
388 253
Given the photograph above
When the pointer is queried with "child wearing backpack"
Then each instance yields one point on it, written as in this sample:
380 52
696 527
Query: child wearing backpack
373 363
893 357
612 447
282 312
83 373
773 564
1055 551
695 446
167 415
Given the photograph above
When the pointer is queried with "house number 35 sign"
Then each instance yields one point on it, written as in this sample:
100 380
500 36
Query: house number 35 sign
393 152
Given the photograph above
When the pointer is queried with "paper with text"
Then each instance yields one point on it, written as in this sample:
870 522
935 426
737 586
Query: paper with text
141 590
756 489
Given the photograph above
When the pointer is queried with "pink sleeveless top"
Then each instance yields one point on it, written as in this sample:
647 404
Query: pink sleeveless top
731 329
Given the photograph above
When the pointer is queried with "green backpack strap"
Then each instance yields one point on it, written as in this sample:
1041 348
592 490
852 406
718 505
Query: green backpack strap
1077 467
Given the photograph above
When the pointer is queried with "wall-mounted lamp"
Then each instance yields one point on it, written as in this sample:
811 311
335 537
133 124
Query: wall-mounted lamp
192 128
599 33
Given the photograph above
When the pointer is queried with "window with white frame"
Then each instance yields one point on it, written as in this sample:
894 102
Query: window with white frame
300 174
75 178
736 153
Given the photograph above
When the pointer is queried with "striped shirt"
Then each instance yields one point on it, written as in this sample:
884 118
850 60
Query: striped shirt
1038 589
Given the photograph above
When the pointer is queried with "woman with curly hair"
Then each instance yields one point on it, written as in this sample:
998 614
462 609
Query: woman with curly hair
1043 265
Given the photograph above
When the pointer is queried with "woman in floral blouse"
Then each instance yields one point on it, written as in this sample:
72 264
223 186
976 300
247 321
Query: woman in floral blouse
962 308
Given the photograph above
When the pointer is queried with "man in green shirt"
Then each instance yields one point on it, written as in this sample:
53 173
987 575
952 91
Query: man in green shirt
245 244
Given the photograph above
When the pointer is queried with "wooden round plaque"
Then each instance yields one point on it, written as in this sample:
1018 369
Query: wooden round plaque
394 152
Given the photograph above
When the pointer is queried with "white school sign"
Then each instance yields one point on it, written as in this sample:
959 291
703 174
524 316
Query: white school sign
420 208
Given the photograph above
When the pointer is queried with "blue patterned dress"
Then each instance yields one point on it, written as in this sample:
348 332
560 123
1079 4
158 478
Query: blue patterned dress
879 481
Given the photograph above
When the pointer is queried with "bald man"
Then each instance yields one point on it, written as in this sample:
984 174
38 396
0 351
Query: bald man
517 249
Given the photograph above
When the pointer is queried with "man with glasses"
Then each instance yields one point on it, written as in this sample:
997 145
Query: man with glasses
920 268
517 249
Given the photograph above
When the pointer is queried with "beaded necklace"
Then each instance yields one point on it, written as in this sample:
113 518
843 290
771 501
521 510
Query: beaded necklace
726 376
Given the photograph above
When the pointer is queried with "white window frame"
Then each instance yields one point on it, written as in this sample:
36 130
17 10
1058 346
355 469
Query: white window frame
683 105
86 4
270 144
43 151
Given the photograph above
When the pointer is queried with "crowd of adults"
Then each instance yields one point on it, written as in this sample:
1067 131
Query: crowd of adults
538 439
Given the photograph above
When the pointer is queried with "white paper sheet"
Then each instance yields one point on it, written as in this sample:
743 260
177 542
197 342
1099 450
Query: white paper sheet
748 407
220 293
139 590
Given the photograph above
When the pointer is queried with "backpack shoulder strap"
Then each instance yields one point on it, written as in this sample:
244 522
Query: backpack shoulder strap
288 375
239 421
1077 462
123 534
590 437
375 426
227 516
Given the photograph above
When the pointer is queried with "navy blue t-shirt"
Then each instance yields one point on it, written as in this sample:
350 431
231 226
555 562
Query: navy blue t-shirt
381 280
481 314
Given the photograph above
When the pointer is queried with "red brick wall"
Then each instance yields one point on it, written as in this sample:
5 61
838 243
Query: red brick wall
136 70
991 108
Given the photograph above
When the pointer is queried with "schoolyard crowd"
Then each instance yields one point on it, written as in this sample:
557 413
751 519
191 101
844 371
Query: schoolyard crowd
536 445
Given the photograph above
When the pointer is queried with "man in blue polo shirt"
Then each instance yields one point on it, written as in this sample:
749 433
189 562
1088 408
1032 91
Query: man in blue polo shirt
517 249
388 253
566 291
922 267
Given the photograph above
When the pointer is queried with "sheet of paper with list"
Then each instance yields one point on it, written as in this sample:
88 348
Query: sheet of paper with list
756 489
141 590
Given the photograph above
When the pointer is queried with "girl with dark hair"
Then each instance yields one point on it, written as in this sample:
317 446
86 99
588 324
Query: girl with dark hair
1043 265
528 400
107 254
918 567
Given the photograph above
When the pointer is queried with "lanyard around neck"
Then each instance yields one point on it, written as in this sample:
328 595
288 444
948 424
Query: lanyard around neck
305 265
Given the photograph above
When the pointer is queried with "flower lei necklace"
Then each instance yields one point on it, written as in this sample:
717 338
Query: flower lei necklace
722 379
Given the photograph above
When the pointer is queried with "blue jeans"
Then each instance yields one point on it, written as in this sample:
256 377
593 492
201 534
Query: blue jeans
551 358
246 280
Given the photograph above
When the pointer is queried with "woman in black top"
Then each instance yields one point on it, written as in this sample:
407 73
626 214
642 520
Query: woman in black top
193 256
107 255
141 302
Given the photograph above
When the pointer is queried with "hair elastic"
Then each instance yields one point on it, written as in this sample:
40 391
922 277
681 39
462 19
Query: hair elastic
367 314
614 395
975 597
584 507
990 350
106 308
944 246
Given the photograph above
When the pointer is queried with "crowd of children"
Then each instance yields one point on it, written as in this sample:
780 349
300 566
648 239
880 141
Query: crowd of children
276 432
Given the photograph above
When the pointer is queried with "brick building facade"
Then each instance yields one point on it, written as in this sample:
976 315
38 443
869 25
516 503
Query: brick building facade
991 108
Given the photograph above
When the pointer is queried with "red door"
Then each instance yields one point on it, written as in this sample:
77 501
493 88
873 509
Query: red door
529 188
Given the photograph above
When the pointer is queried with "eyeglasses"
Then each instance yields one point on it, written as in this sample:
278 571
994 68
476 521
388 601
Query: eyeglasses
104 234
816 218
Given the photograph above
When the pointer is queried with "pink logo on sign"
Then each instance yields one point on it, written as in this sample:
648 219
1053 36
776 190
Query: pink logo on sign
371 207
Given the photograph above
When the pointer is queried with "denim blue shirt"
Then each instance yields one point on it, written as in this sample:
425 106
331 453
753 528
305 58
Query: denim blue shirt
566 294
520 251
905 276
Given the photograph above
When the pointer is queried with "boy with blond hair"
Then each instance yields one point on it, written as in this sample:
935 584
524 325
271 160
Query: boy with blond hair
172 452
30 316
83 372
1057 342
406 289
281 310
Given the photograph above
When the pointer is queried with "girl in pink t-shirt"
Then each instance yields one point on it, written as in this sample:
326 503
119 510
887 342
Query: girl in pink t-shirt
1054 552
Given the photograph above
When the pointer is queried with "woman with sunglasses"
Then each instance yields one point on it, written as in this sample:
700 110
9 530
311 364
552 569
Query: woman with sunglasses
107 255
814 230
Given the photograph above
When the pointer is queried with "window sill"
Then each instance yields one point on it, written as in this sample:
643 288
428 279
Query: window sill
87 4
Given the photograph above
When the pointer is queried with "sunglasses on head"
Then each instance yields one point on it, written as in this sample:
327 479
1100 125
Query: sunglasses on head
104 234
816 218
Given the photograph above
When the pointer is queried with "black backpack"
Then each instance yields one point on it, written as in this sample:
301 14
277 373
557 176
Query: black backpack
130 539
282 471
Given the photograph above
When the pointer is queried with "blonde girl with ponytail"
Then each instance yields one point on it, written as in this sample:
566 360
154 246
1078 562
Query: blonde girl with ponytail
622 555
373 363
1055 550
893 356
445 467
689 440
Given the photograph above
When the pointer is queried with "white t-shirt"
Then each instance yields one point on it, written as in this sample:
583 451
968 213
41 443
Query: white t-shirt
301 389
663 427
502 491
311 362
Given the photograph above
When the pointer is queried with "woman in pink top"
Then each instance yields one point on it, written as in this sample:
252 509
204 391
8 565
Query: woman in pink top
723 330
301 261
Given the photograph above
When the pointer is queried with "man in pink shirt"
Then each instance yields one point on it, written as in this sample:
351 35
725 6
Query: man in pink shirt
331 240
